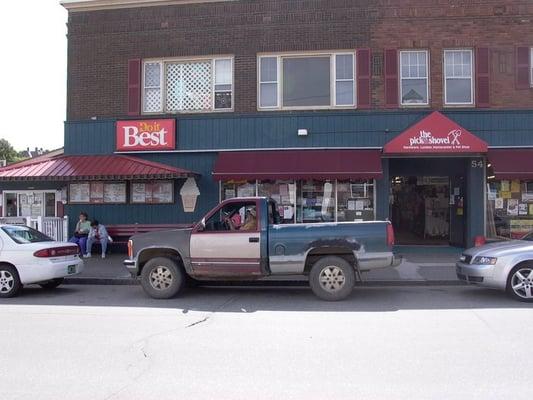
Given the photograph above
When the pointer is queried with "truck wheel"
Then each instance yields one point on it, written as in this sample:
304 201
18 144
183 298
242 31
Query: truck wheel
162 278
332 278
9 281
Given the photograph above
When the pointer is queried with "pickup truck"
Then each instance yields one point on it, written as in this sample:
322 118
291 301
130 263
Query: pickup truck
224 245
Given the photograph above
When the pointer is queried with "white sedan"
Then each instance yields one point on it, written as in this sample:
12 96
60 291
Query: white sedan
28 256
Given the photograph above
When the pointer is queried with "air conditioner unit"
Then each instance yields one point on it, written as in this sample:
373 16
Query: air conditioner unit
3 163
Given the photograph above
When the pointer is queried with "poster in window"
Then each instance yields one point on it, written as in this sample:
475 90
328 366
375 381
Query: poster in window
498 203
79 192
512 207
504 186
358 190
522 209
115 193
162 192
138 192
97 192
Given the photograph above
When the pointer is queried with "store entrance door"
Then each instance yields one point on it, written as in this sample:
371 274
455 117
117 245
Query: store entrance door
420 210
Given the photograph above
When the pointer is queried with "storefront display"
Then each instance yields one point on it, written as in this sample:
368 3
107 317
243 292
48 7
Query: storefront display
355 201
284 193
155 192
308 201
97 192
509 208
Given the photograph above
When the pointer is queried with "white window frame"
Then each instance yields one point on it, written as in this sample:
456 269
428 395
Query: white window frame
164 61
445 78
144 87
401 78
332 79
29 192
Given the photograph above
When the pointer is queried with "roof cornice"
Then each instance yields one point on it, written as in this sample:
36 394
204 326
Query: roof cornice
95 5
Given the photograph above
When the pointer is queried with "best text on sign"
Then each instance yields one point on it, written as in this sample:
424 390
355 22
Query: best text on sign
146 135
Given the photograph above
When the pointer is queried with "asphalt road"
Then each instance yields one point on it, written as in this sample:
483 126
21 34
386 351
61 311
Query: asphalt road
112 342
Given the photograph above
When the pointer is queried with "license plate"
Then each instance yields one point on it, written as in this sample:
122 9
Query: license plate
71 269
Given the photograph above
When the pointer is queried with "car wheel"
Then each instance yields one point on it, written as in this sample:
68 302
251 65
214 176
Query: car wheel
52 284
162 278
9 281
332 278
520 283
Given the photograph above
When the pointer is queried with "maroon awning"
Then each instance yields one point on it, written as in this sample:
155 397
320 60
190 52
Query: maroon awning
298 164
97 167
512 163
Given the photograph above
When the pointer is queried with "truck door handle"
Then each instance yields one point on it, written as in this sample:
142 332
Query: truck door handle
253 240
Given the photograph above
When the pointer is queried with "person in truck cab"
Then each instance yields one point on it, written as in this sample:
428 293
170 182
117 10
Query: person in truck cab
250 222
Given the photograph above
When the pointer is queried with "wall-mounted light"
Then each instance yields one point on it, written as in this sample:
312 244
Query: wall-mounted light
302 132
491 177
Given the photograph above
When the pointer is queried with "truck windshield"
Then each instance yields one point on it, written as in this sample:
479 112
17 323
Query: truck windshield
24 234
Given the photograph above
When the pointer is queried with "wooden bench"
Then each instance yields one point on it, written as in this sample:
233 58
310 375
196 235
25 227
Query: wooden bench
121 233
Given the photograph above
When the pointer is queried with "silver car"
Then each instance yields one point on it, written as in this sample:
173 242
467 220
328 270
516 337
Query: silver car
502 265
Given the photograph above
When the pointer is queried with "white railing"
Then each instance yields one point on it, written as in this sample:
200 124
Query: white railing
55 227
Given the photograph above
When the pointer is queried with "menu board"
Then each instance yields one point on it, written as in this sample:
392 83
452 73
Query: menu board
79 193
114 193
157 192
97 192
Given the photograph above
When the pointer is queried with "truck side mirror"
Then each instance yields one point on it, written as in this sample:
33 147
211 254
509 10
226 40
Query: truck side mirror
202 225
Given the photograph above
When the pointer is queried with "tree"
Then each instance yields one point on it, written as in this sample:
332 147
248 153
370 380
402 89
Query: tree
7 152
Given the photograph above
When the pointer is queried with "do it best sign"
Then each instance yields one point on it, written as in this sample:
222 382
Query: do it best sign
146 135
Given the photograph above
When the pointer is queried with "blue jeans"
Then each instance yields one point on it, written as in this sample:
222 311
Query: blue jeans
81 242
102 241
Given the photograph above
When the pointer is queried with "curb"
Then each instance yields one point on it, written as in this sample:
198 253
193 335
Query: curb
270 283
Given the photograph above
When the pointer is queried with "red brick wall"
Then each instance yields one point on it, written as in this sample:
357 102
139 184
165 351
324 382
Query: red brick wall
101 42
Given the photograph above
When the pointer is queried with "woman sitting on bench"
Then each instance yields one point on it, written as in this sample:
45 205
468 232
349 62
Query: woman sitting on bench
97 234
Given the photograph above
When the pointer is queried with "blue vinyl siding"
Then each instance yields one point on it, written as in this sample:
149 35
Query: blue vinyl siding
339 129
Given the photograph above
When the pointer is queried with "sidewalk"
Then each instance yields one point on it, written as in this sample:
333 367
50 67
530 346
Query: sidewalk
420 266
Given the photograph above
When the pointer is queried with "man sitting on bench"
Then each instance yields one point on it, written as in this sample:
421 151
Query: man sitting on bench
97 234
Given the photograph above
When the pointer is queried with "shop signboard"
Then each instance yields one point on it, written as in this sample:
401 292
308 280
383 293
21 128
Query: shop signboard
435 134
146 135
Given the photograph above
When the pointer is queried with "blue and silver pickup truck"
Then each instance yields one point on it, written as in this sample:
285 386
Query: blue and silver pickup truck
241 239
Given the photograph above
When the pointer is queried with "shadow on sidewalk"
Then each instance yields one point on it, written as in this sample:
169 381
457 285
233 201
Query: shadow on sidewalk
263 299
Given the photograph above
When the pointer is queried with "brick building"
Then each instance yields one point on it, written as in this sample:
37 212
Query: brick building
419 111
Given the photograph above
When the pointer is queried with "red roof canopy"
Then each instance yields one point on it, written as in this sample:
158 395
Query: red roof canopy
298 164
98 167
512 163
435 134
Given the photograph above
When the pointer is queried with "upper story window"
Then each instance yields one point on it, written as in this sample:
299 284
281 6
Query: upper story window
306 81
188 85
414 78
458 81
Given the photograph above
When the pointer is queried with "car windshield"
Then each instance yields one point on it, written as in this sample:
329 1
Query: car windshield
528 237
24 234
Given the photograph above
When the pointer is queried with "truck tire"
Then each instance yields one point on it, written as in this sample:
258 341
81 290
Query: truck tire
162 278
332 278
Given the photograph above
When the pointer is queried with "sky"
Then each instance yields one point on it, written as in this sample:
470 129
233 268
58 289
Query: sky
33 73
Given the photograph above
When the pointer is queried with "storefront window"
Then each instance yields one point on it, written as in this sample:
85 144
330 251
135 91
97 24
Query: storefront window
355 201
284 194
308 201
316 202
509 208
231 189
